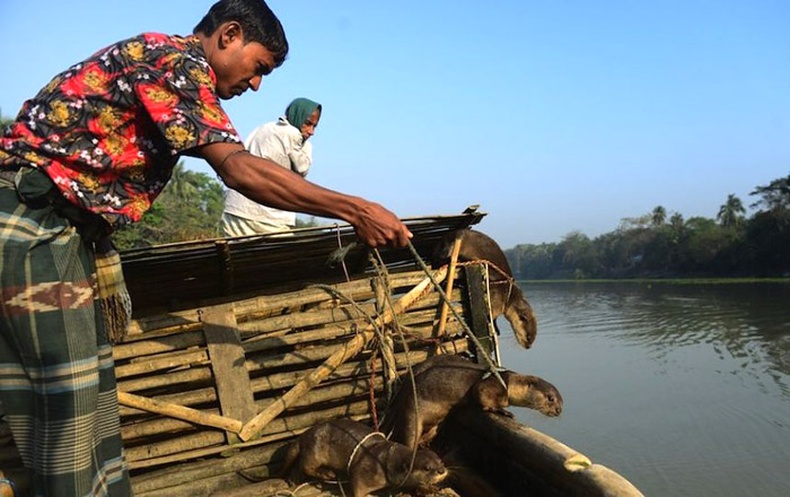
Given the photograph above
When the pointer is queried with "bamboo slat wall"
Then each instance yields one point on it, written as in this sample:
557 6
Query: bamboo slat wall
282 337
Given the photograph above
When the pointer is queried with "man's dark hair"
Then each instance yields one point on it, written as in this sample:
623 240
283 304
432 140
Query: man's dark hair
257 21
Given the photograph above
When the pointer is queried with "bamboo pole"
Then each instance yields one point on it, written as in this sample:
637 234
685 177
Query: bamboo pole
189 337
202 374
202 486
255 425
178 332
349 372
347 389
268 488
143 354
277 381
171 360
159 326
199 374
450 279
179 412
251 309
183 446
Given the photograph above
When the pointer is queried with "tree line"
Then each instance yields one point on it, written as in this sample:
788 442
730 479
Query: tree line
655 245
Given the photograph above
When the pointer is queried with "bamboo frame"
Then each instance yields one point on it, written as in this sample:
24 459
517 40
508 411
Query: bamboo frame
254 426
179 412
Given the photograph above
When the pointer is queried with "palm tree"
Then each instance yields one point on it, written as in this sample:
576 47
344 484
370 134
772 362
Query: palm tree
731 214
658 216
676 221
182 183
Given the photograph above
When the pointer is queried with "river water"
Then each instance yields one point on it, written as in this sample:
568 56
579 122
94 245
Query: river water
684 389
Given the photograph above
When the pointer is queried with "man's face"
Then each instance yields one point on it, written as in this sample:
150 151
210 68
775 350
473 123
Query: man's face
241 66
310 124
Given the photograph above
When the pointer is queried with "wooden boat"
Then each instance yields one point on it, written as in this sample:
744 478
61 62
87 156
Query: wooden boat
239 345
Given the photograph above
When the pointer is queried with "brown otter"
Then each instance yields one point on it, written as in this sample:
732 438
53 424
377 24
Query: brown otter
445 381
506 296
347 447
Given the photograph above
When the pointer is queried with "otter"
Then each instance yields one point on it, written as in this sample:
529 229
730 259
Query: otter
506 296
445 381
346 447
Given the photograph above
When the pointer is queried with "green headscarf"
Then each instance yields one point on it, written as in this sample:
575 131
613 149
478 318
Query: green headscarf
299 110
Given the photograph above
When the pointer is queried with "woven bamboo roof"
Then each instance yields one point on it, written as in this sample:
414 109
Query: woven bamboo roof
182 275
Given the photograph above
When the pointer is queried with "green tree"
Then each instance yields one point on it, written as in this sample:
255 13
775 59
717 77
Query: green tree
189 208
532 262
579 256
658 216
731 214
774 196
768 232
676 221
4 121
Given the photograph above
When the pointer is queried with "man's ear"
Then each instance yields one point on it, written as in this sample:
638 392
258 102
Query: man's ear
229 33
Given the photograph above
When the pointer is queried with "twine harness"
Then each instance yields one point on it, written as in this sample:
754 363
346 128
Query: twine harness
359 445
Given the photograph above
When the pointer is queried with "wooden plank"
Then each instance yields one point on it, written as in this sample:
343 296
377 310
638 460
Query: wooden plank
480 310
228 363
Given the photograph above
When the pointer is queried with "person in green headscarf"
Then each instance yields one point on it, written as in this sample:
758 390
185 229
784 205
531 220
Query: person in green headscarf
285 142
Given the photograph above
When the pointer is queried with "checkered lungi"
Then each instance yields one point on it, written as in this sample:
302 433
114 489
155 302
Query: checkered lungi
57 382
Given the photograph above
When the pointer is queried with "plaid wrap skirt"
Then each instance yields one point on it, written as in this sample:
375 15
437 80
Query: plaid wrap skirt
57 382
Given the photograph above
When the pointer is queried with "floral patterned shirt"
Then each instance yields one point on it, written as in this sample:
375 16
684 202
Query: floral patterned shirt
109 130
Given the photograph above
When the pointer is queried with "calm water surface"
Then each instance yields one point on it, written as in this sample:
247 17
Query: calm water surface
683 389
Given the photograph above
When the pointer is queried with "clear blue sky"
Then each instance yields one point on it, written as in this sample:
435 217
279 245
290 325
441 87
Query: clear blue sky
553 115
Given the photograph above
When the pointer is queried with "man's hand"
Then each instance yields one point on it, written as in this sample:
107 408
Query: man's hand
378 227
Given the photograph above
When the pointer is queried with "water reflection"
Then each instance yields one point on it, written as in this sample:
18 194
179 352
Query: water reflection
748 325
684 389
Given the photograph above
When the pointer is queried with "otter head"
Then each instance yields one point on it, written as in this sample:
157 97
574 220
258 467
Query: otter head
533 392
521 318
427 471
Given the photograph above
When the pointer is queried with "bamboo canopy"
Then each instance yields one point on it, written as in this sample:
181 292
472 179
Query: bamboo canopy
176 276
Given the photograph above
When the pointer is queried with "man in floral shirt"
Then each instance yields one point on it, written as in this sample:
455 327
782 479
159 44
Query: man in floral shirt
90 152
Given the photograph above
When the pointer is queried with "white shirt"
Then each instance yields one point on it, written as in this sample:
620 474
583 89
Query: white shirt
282 143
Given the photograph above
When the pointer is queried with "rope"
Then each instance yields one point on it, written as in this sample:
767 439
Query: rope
491 366
290 493
380 266
383 291
359 445
343 251
508 280
381 270
385 351
372 391
345 298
